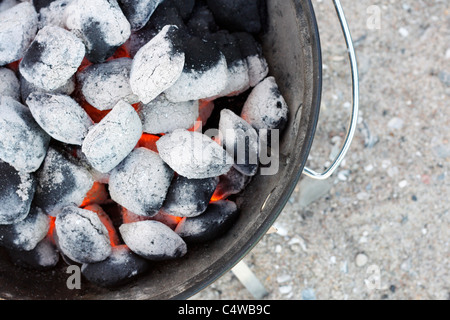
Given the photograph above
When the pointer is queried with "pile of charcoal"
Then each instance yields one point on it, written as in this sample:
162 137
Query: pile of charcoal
127 127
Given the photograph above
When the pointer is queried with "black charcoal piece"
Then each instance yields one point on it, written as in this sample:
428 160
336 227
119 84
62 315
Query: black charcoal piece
163 116
202 22
18 26
61 182
81 235
230 184
101 24
120 268
104 85
166 14
265 107
251 50
213 223
16 193
9 84
60 116
204 74
52 58
194 155
157 65
111 140
39 4
26 88
189 197
153 240
23 143
138 12
184 7
240 140
26 234
140 182
53 13
43 257
239 15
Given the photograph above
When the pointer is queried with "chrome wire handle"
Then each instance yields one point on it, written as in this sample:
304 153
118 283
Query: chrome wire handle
355 109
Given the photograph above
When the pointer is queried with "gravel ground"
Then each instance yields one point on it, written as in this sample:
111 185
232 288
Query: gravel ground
379 228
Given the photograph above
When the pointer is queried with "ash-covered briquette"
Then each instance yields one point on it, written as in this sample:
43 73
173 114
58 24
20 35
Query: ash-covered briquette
104 85
16 194
23 143
265 107
61 182
140 182
106 221
26 88
239 15
60 116
240 140
213 223
26 234
202 23
9 84
238 72
81 235
251 50
53 13
112 140
231 183
138 12
163 116
18 26
153 240
157 65
194 155
189 197
101 25
52 58
44 256
205 72
120 268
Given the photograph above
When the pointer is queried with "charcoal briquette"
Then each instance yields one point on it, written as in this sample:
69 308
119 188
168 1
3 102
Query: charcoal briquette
26 234
163 116
39 4
138 12
9 84
194 155
81 235
18 26
106 221
43 257
231 183
26 88
61 182
60 116
189 197
23 143
52 58
120 268
53 13
213 223
184 7
111 140
101 24
104 85
140 182
153 240
202 23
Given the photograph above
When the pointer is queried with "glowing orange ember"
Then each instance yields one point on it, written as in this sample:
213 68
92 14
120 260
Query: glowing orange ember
14 66
104 218
148 141
121 52
95 114
97 194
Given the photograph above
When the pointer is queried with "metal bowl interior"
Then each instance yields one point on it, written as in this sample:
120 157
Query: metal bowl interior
292 47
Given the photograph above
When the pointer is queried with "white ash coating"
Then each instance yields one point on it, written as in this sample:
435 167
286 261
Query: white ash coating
238 79
18 26
16 194
163 116
157 66
258 69
194 155
26 88
138 12
23 143
112 140
52 58
60 116
153 240
104 85
61 183
26 234
265 107
241 141
7 4
9 84
140 182
53 14
203 84
100 24
81 235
